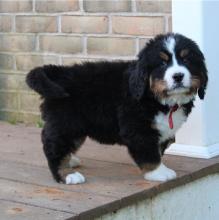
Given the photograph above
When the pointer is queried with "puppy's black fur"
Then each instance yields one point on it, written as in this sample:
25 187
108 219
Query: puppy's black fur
110 102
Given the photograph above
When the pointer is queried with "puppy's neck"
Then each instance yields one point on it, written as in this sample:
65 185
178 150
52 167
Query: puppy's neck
177 100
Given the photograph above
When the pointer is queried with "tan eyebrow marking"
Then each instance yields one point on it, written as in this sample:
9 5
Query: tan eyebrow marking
164 56
184 52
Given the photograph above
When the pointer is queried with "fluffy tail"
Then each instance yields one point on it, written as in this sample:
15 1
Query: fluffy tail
38 80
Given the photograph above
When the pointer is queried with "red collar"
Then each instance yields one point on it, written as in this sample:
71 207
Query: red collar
170 119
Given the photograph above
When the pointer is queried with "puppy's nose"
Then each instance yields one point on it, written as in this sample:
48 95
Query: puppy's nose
178 77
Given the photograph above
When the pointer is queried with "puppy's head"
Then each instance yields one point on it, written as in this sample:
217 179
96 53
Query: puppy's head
170 66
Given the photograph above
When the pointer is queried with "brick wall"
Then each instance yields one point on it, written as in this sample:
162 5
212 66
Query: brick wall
37 32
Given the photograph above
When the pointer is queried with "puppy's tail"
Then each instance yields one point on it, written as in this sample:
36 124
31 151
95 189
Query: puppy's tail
38 79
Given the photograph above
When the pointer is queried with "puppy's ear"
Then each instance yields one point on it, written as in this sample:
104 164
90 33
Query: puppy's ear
137 81
204 81
201 92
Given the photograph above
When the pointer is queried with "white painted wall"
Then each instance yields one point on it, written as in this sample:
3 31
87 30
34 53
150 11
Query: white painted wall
197 200
199 20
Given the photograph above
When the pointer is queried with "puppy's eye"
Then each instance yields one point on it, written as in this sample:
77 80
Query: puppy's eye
164 56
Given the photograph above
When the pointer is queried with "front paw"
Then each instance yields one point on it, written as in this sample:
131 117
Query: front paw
161 173
74 178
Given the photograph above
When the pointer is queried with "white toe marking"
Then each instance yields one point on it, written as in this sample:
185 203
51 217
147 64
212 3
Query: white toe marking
74 161
74 178
161 173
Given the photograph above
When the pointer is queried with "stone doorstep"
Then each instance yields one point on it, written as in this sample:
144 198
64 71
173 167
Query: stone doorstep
147 193
113 181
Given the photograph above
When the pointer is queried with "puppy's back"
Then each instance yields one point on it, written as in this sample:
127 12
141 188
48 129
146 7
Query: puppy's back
87 79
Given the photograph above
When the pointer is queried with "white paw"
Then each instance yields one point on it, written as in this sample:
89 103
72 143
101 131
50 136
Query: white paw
74 161
74 178
161 173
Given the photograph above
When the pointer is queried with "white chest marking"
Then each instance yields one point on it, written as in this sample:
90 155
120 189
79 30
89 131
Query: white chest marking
161 122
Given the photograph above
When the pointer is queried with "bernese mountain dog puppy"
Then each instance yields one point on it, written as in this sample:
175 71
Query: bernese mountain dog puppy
139 103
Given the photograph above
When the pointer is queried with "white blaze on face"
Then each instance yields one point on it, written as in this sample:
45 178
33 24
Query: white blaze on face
175 67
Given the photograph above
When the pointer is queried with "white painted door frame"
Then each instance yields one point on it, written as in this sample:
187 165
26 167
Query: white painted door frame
199 20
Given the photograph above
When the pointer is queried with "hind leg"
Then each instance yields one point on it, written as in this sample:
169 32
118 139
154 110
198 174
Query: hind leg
75 161
58 147
76 177
71 161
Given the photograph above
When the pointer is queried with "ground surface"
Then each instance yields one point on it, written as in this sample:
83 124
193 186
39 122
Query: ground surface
27 190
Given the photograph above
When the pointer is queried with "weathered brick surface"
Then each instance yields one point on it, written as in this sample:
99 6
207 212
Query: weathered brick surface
107 5
15 42
5 23
15 5
143 42
29 102
16 117
153 6
39 32
6 61
12 82
148 26
84 24
28 62
61 44
170 24
36 24
111 46
56 5
73 60
9 100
